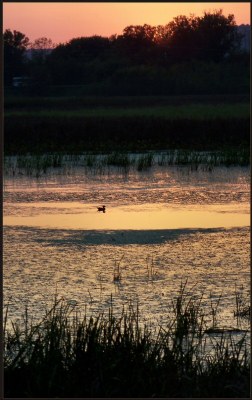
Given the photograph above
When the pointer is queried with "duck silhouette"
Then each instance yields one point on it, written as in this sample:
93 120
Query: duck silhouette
101 209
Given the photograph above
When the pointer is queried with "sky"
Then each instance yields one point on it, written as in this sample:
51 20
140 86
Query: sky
63 21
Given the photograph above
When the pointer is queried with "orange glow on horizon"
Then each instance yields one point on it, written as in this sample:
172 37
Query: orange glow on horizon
63 21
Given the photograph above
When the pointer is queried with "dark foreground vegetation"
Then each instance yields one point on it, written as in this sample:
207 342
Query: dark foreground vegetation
66 355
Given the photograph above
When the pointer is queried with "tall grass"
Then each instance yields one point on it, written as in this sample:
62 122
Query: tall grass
69 355
39 165
145 161
133 123
79 133
243 309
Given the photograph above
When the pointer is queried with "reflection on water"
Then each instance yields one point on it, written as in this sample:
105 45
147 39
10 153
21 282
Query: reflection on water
80 264
187 225
129 217
160 185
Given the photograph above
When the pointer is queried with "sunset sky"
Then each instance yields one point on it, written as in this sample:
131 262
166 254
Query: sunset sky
64 21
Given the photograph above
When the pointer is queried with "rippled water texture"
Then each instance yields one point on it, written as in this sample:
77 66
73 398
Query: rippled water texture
161 226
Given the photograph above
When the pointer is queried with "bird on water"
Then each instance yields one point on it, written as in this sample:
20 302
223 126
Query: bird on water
101 209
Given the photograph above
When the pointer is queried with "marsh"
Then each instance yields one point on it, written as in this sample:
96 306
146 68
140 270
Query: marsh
177 222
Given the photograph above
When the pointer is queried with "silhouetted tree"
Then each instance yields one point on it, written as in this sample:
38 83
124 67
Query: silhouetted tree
217 36
74 61
83 48
15 44
143 59
41 48
210 38
138 44
37 68
179 38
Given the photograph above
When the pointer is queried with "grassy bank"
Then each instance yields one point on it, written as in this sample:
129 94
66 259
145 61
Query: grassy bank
125 123
68 355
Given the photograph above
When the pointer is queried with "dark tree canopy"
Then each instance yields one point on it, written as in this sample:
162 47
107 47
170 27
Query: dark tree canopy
210 38
15 44
180 38
16 40
76 61
138 44
142 59
217 36
84 48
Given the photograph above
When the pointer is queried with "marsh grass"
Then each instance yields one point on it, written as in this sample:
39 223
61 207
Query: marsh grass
120 132
214 309
67 354
144 162
242 303
151 272
117 276
40 165
117 159
134 123
33 165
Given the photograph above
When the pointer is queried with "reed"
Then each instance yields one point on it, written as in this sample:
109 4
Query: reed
242 303
151 273
69 355
144 162
118 159
41 164
117 277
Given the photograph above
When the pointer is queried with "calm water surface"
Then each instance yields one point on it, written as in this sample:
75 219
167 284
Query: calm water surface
162 226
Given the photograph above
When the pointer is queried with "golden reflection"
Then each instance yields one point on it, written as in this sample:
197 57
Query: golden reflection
138 217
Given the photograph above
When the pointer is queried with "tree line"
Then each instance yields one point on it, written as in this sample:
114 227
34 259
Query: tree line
189 54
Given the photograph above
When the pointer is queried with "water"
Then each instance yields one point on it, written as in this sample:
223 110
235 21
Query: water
160 226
